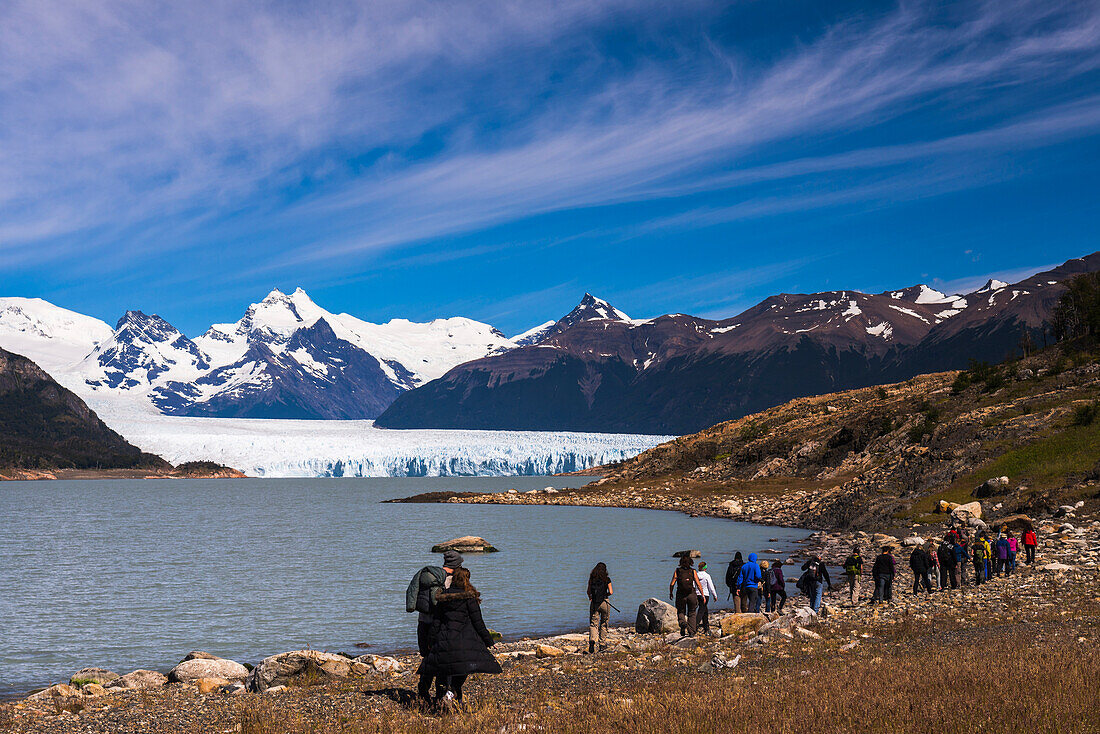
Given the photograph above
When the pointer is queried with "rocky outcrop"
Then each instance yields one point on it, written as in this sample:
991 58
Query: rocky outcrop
740 624
93 675
465 544
140 680
190 670
656 616
303 667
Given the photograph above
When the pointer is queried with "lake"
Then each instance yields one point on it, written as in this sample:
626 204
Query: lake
136 573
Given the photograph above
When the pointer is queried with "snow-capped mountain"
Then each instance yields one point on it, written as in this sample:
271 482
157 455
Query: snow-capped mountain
598 370
286 357
55 338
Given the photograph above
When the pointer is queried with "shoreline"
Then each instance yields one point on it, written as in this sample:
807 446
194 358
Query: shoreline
1048 612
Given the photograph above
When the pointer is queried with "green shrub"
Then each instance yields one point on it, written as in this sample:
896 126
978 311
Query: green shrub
1086 415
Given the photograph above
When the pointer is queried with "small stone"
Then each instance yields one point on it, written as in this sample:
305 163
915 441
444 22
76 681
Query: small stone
209 685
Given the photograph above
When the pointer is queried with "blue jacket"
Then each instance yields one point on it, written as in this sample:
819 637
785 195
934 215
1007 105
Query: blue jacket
961 555
750 573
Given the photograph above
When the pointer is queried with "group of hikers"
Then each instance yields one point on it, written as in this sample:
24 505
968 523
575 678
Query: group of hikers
454 641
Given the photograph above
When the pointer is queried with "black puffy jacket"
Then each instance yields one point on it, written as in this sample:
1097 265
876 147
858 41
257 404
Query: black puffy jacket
460 641
918 561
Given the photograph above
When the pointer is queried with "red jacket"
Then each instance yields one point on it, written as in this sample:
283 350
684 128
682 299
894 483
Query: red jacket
1029 538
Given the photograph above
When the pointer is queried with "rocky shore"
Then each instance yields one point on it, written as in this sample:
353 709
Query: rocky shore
545 678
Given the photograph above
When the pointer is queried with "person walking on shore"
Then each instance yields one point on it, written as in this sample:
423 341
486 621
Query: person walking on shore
819 580
461 641
962 559
599 606
706 591
979 554
853 569
918 562
946 556
684 583
776 589
883 574
1011 566
748 585
733 570
1030 543
421 597
1000 566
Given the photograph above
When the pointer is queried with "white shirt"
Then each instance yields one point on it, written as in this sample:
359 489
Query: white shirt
708 585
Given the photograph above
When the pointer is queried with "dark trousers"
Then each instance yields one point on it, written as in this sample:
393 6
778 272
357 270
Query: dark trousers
750 599
998 566
948 577
979 572
884 588
453 683
702 615
921 578
1030 550
771 596
424 645
686 609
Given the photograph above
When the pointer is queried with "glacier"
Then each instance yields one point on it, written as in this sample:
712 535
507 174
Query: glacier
356 448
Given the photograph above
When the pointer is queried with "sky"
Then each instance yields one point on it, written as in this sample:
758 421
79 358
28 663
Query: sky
496 160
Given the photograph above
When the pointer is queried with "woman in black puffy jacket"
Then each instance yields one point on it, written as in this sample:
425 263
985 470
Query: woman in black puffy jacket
461 642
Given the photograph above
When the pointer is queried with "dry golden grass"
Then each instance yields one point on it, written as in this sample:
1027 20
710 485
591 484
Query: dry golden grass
1036 678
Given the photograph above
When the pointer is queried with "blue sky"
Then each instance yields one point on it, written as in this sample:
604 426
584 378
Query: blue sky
498 159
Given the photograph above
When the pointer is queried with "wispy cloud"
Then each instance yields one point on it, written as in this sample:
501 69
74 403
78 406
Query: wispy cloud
130 127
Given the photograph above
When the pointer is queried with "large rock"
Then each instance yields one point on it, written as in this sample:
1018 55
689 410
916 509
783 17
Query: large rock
191 670
688 553
733 507
964 513
656 616
548 651
59 690
93 675
913 540
740 624
209 685
303 667
140 679
991 487
465 544
1015 522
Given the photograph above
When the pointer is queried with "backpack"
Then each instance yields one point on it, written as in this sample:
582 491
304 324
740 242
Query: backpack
685 581
806 583
732 571
851 566
769 579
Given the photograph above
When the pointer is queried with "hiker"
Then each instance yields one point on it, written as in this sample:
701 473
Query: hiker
978 554
1000 564
853 569
1030 542
684 583
818 574
421 597
945 554
732 571
775 588
883 573
1011 565
988 555
748 585
460 640
933 559
599 606
706 590
918 562
962 559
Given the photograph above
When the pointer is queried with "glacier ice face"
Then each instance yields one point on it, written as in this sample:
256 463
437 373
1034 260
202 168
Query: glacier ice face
305 448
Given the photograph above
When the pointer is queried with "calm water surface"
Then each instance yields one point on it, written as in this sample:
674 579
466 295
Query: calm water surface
134 574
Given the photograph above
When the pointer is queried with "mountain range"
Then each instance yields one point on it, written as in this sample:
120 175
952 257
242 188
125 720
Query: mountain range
598 370
595 369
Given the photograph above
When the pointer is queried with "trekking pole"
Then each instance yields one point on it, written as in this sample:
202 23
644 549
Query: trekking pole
620 611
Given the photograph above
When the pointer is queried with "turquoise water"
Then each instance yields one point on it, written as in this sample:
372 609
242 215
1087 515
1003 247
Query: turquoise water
134 574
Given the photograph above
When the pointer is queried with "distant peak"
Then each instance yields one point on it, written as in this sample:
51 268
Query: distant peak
274 295
138 318
592 307
920 293
992 285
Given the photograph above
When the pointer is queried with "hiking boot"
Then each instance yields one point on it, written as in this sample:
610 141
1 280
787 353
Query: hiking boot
591 647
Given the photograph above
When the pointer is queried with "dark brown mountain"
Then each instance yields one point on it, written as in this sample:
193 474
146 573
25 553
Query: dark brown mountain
44 426
598 370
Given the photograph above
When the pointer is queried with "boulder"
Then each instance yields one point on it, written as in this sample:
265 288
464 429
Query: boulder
1056 567
198 655
93 689
303 667
380 664
806 634
548 651
804 616
913 540
991 488
739 624
465 544
92 675
191 670
140 679
656 616
1016 522
210 685
60 690
944 506
965 512
733 507
688 553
